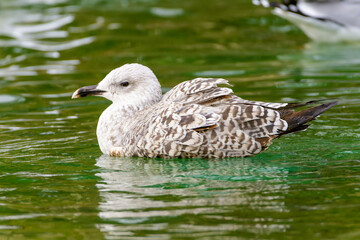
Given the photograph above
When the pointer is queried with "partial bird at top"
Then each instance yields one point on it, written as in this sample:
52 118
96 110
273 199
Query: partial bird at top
321 20
195 119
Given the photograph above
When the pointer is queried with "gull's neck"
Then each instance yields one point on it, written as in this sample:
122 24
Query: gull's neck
114 122
129 107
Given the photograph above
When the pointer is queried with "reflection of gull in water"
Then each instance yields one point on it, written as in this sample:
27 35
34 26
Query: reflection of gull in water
158 196
318 65
317 58
324 21
195 119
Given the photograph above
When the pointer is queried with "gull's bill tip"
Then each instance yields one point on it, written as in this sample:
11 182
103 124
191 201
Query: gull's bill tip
76 94
87 91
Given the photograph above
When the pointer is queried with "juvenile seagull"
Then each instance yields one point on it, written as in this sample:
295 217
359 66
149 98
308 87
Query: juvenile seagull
321 20
195 119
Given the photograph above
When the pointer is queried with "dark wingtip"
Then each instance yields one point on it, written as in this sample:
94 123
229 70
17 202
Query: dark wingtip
322 108
297 121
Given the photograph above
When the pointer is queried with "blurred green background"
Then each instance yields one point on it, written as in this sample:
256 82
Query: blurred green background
56 184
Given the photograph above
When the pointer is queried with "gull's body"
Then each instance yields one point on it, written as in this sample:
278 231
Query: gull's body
196 118
321 20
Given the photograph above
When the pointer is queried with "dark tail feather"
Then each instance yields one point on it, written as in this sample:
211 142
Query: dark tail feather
266 3
302 104
297 120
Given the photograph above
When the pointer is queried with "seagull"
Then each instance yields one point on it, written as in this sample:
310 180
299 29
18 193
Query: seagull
195 119
321 20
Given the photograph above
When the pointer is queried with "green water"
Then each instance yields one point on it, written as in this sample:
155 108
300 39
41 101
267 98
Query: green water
56 184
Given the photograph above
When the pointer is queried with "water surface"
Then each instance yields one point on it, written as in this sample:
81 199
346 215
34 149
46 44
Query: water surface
56 184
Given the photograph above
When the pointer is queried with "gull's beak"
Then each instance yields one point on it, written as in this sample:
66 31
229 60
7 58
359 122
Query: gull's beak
87 91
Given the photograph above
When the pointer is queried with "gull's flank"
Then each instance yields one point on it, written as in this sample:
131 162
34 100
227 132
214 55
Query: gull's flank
195 119
321 20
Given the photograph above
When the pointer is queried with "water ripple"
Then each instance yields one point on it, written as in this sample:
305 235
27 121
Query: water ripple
10 29
5 98
46 45
47 32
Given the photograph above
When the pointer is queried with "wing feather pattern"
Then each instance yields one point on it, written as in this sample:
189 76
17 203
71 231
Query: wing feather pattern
199 119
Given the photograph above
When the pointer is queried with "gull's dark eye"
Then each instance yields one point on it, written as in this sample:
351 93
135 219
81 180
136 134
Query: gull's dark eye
124 84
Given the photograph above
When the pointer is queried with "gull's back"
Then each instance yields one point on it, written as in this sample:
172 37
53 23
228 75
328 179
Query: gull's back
343 12
198 119
321 20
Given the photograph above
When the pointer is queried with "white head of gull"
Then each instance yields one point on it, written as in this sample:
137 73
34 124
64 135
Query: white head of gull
131 86
195 119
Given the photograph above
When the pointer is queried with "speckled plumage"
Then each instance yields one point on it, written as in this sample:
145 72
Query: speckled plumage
195 119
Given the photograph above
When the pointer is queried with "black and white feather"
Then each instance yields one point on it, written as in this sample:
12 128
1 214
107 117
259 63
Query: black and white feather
321 20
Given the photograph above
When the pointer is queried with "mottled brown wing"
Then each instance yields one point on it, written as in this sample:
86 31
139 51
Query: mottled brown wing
171 130
202 90
199 119
244 130
197 90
